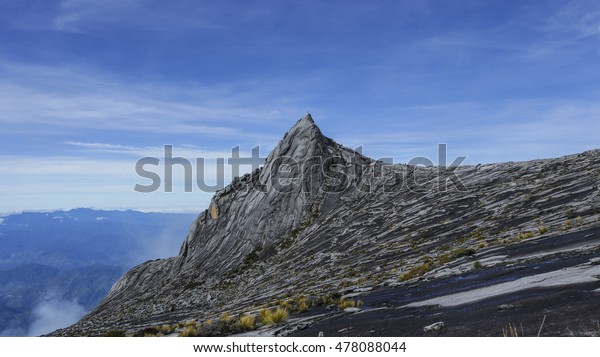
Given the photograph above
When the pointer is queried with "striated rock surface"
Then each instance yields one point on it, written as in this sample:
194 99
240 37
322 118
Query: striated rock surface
319 218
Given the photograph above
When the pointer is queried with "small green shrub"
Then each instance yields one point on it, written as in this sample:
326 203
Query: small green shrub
415 272
286 304
523 236
329 299
189 331
443 259
226 317
303 307
542 230
461 252
477 265
345 303
167 329
271 317
247 322
303 304
345 283
191 323
279 315
264 316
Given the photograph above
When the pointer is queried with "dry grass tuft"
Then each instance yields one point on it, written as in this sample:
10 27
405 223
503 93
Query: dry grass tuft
247 322
510 331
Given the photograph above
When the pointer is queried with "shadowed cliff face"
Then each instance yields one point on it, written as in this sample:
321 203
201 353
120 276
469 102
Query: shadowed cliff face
319 218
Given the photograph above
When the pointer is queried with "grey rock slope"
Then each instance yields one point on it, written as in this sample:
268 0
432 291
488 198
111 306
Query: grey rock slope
320 219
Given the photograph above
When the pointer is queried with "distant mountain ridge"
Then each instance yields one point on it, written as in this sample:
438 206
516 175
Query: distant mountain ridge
82 237
70 259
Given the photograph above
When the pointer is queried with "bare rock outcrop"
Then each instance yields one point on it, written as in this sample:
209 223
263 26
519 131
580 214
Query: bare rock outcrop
319 218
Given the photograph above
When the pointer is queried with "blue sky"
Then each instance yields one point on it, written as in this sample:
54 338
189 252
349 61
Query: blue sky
89 87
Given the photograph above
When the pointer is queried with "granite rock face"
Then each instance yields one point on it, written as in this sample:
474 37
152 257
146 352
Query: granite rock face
319 218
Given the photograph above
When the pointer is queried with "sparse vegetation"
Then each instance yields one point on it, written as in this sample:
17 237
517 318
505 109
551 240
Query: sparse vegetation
264 316
542 230
191 323
345 283
329 299
477 265
167 329
523 236
279 315
189 331
247 322
272 317
303 307
226 318
303 304
462 252
566 225
415 272
345 303
286 304
453 255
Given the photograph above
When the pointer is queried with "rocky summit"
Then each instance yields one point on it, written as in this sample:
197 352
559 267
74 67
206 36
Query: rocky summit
322 240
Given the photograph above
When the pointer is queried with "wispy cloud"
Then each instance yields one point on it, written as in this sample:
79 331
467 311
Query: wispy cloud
62 182
580 19
510 81
85 16
187 151
512 130
58 97
54 313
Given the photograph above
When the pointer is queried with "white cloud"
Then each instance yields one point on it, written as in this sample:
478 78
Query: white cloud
30 183
580 19
188 151
75 98
513 130
85 16
54 313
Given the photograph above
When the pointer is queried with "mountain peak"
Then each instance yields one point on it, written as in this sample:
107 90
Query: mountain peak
305 124
303 140
307 118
